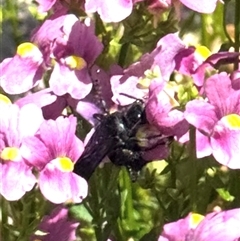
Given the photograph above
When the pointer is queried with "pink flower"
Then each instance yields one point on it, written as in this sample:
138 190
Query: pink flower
110 11
56 226
217 121
202 6
16 125
73 48
22 72
161 58
216 226
53 152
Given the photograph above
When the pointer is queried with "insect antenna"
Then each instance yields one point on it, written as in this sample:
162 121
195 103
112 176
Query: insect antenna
99 96
133 97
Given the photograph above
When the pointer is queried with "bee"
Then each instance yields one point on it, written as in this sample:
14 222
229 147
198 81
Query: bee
112 133
116 136
132 153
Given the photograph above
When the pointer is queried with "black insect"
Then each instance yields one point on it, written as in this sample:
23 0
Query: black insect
111 135
131 153
115 136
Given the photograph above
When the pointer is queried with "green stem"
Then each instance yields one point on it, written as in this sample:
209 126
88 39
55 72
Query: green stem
95 207
12 9
126 196
129 200
123 54
125 223
193 177
204 33
4 213
225 6
187 24
237 31
24 222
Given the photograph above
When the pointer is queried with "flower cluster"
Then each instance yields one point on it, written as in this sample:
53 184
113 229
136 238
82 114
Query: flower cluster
48 146
90 58
217 120
215 226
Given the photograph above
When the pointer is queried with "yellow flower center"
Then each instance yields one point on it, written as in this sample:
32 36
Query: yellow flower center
27 50
75 62
64 164
232 121
195 219
4 99
10 153
203 51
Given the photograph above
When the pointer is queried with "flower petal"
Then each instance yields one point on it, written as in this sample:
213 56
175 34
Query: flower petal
203 145
110 11
225 143
29 124
219 226
21 73
57 226
16 180
59 187
201 115
65 80
218 89
202 6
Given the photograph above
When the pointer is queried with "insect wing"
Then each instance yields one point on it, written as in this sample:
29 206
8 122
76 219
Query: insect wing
104 139
91 157
111 136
